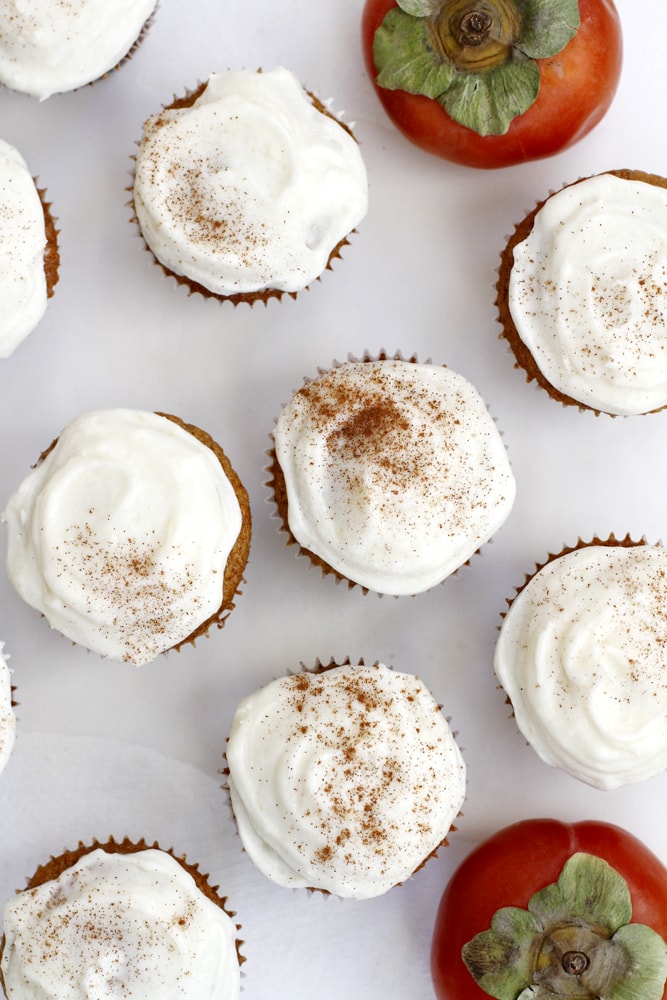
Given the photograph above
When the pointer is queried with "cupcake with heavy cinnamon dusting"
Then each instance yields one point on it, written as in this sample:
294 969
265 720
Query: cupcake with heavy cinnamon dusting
131 535
29 255
581 657
389 473
248 188
118 920
581 293
344 779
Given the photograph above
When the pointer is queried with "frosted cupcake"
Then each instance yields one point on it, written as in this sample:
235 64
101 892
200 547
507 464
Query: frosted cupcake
119 920
344 780
48 48
389 473
28 251
248 188
582 656
581 296
7 717
131 534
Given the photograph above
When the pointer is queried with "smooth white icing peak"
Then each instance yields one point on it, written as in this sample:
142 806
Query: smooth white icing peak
588 293
119 927
250 188
345 780
7 717
395 472
120 536
582 655
23 292
51 46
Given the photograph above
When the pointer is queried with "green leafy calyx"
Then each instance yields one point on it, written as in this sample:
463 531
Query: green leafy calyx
477 58
574 942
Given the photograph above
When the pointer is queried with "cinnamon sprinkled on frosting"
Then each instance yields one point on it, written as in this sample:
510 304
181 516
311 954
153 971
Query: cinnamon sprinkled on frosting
394 472
345 780
582 655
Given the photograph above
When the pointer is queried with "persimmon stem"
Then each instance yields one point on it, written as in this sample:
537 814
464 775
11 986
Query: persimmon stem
575 962
473 28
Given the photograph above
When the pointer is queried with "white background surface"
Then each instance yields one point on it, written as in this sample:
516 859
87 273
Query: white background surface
104 748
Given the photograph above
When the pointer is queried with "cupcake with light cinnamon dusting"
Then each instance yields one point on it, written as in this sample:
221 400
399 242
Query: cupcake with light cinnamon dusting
29 257
131 534
345 779
581 294
248 188
389 474
582 657
49 48
119 919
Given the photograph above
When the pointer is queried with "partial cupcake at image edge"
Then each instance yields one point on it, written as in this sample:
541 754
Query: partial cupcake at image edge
129 916
48 48
29 255
388 473
7 706
582 657
581 293
343 779
247 188
131 534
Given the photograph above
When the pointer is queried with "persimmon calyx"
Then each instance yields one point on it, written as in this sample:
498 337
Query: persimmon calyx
477 58
574 942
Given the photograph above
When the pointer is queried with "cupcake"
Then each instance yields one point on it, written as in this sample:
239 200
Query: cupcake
247 188
389 474
7 717
581 294
130 535
48 48
343 780
28 250
119 920
582 657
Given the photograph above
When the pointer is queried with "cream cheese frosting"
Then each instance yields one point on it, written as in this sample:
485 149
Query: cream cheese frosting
345 780
588 293
51 46
582 655
395 472
23 289
119 927
251 188
121 534
7 717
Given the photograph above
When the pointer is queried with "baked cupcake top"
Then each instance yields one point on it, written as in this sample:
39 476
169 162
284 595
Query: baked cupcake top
395 473
250 187
121 534
582 656
48 48
344 780
588 292
117 926
23 287
7 717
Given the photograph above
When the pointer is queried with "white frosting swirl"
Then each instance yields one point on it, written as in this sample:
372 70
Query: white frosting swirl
249 189
51 46
395 472
119 927
23 291
345 780
588 293
120 536
582 655
7 717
